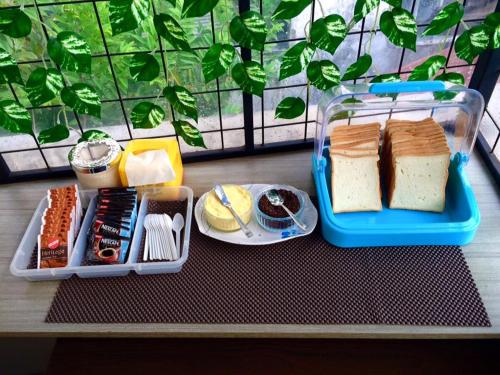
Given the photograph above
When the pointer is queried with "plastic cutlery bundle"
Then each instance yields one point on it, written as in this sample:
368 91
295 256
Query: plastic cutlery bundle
159 243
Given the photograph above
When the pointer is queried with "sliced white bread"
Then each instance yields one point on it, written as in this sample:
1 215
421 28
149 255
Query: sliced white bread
416 160
355 183
355 168
419 182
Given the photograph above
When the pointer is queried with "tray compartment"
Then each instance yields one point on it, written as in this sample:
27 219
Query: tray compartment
24 262
169 201
79 262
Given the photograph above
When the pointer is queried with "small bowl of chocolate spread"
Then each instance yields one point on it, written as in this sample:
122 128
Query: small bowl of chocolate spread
274 218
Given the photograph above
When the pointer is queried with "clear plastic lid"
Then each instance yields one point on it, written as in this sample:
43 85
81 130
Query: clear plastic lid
456 108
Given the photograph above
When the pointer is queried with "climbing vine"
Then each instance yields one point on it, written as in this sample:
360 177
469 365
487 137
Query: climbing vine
69 52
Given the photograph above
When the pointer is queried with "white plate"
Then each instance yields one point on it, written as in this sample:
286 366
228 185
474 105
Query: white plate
260 235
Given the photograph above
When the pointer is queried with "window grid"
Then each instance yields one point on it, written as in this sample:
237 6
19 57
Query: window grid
248 125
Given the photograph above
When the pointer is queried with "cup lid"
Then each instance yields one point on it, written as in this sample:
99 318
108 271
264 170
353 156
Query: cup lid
94 156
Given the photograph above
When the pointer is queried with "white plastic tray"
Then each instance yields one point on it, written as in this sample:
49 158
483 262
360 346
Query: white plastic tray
19 264
261 236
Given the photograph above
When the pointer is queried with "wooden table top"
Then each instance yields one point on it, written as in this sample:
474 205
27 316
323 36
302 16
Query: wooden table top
23 304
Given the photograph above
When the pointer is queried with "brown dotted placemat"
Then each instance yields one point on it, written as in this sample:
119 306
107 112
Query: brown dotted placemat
300 281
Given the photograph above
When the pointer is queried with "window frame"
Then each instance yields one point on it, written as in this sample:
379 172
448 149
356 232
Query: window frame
483 79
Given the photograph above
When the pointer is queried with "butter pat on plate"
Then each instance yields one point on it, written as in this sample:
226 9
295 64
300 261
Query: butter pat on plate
219 216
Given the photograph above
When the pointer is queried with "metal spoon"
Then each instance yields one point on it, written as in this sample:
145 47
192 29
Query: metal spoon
276 200
177 225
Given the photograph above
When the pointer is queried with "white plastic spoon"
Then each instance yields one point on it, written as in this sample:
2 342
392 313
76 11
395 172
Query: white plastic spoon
177 225
170 237
146 241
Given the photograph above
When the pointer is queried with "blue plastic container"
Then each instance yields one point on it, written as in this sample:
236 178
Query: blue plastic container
457 109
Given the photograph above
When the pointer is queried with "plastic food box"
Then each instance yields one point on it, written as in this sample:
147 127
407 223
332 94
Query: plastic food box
456 108
22 257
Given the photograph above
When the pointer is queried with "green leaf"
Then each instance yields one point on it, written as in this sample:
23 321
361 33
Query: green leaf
9 71
323 74
14 117
394 3
93 135
456 78
249 30
70 51
359 68
400 28
452 77
363 7
173 2
170 29
345 114
217 61
54 134
182 100
127 15
327 33
447 17
144 67
83 99
290 108
386 78
189 133
428 68
146 115
250 76
493 24
296 59
472 42
43 85
14 23
287 9
197 8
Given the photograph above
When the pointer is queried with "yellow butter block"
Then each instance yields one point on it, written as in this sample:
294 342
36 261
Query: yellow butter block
219 216
138 146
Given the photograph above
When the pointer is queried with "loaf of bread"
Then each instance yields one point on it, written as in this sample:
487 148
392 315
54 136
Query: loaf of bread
355 168
416 158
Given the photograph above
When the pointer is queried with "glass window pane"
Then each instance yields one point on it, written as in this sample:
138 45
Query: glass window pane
11 142
284 133
24 161
100 78
131 89
273 54
234 138
57 157
479 9
46 118
427 46
79 18
232 109
184 69
111 121
212 140
273 97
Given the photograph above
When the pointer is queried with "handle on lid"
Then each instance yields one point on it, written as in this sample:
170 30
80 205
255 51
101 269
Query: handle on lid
414 86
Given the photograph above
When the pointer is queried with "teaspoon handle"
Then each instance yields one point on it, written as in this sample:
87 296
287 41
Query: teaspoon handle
300 224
